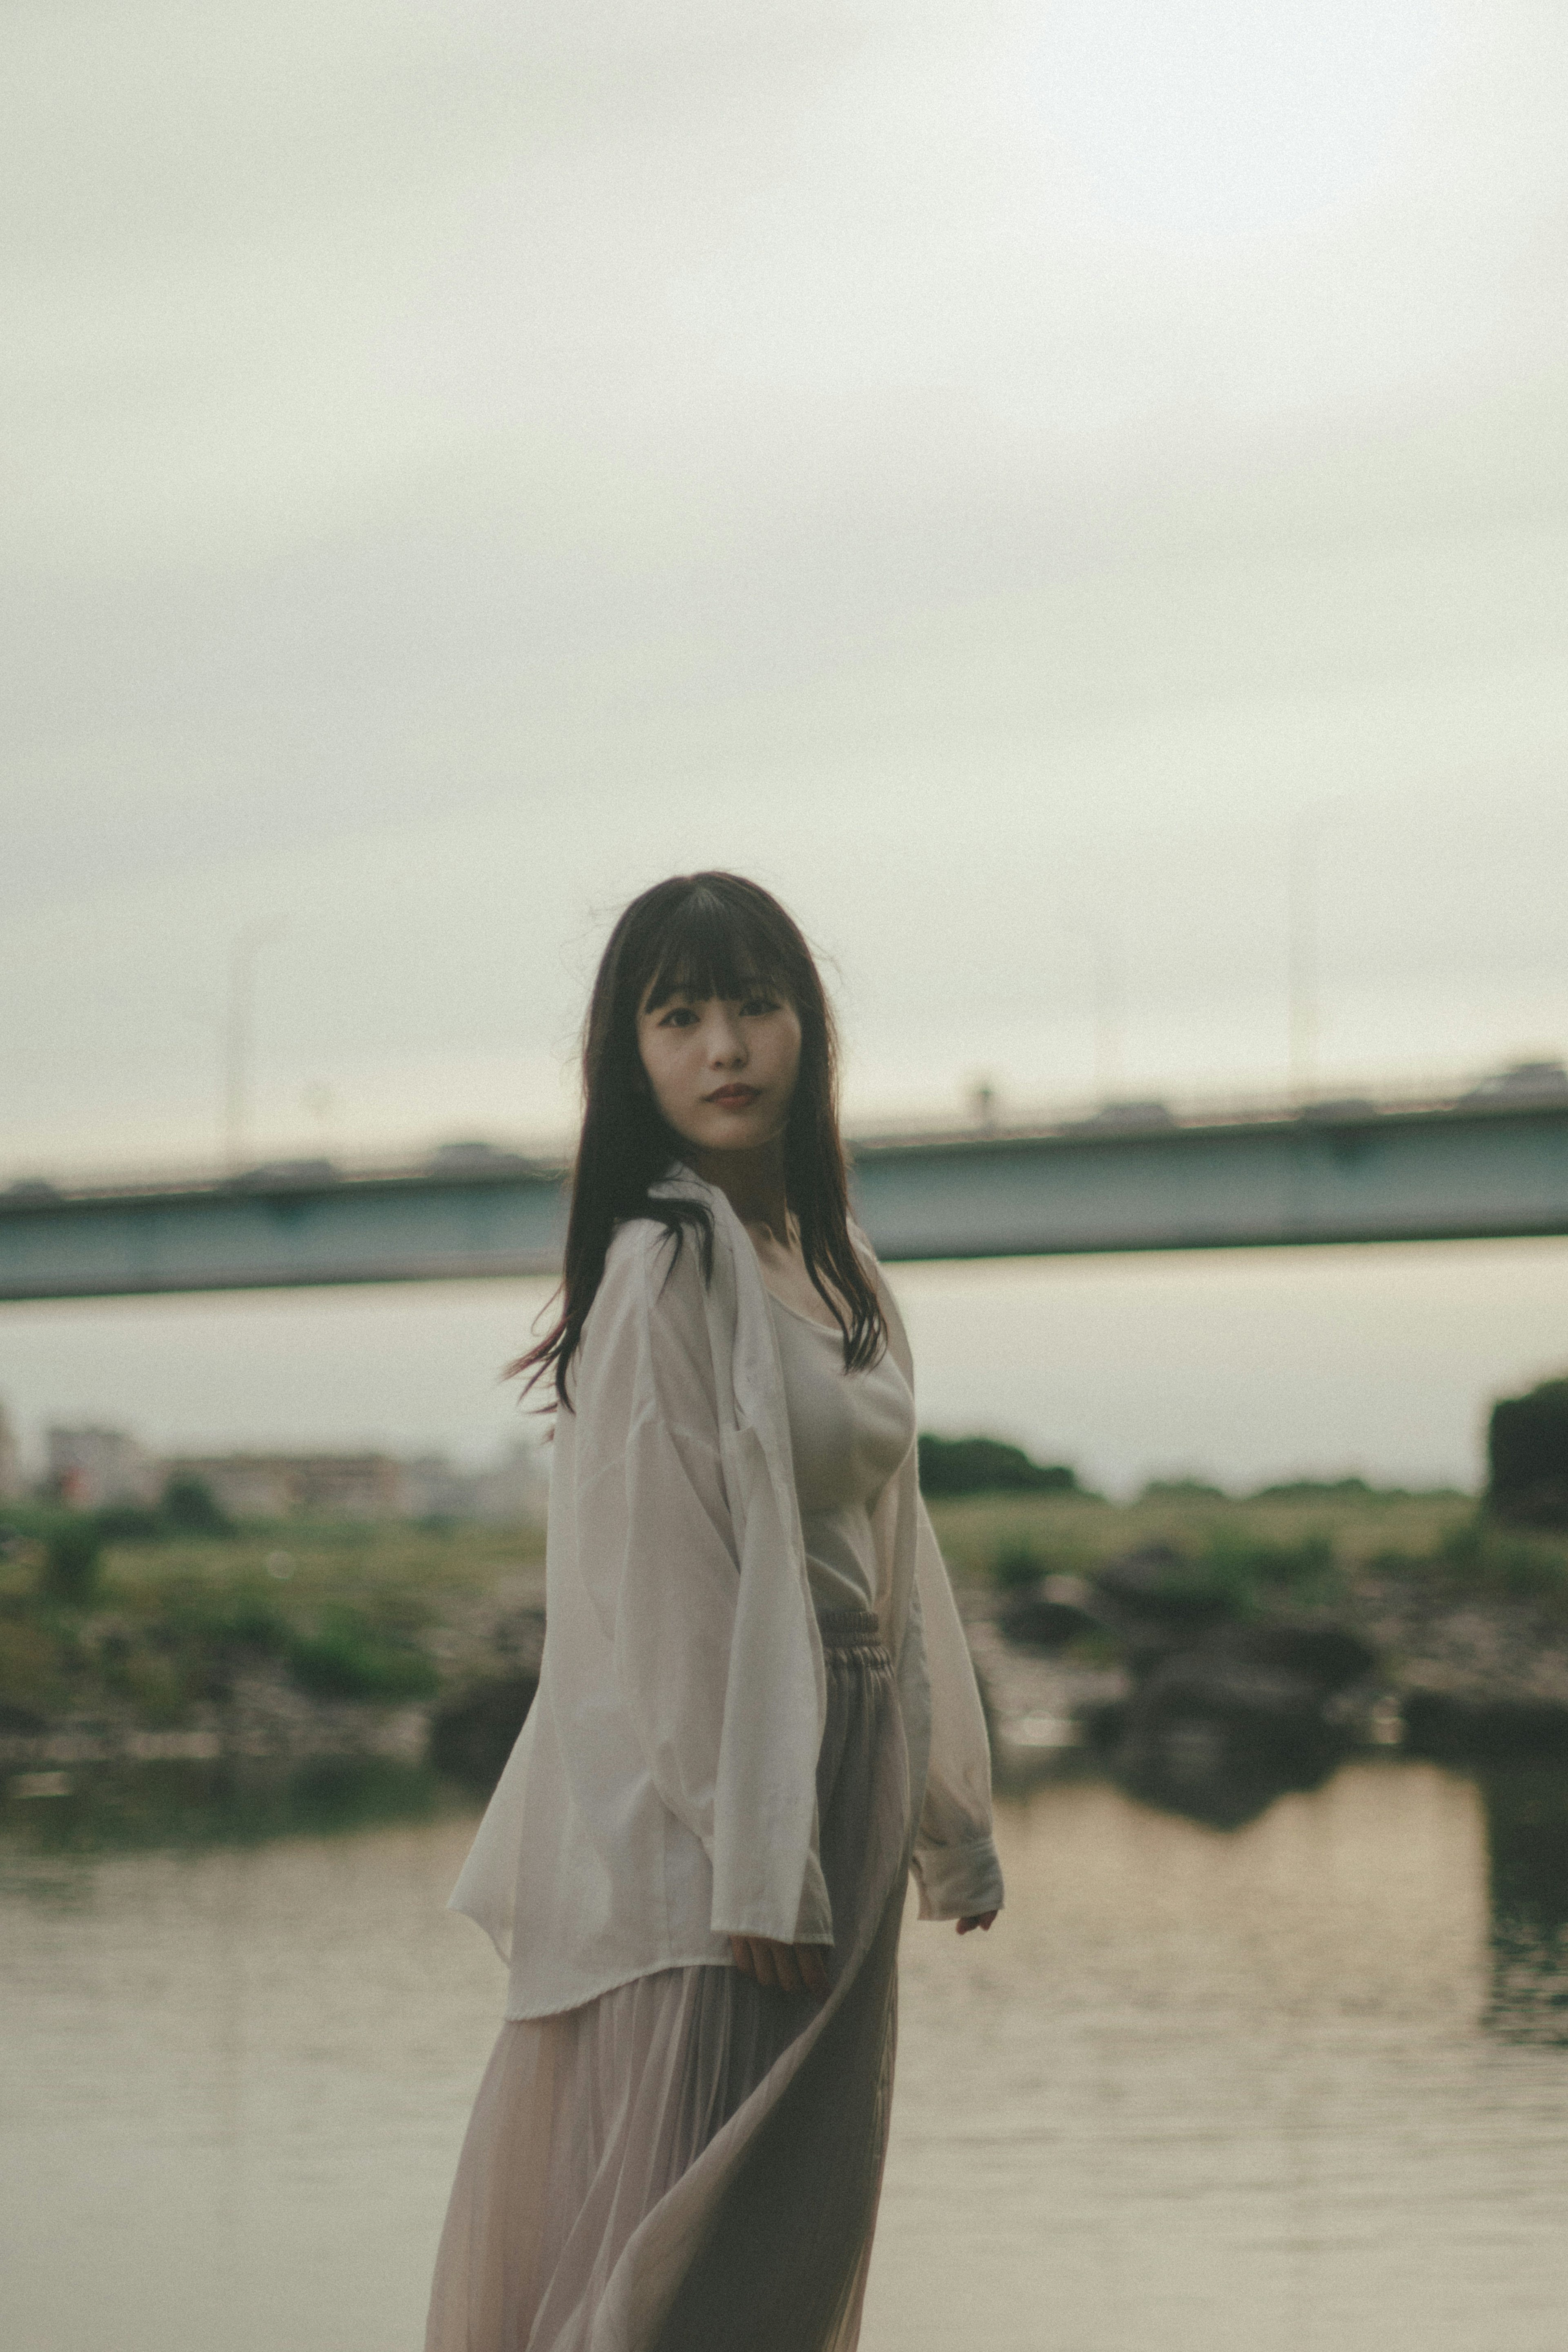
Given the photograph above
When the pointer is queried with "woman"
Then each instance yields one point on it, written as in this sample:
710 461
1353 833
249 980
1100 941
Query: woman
756 1711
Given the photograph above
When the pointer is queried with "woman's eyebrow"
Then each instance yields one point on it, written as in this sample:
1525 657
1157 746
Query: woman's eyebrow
741 987
658 997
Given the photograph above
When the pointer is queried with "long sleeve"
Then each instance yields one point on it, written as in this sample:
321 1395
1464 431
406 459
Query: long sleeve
955 1862
728 1736
656 1551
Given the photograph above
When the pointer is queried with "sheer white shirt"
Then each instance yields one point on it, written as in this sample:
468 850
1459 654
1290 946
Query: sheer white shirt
661 1794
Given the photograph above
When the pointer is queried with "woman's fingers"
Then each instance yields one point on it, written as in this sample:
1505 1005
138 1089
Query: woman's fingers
782 1967
762 1962
976 1919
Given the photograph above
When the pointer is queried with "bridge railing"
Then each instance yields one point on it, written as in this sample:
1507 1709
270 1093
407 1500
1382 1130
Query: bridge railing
1542 1084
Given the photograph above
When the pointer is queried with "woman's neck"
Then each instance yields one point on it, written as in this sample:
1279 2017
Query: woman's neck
752 1182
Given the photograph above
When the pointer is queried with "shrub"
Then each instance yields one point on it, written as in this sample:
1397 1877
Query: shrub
161 1688
1253 1573
29 1670
1017 1566
985 1465
191 1508
1527 1452
129 1523
1242 1574
1320 1490
205 1615
1521 1567
73 1552
349 1657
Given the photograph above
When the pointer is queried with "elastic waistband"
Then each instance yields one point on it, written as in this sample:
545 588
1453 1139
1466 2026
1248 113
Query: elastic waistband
849 1628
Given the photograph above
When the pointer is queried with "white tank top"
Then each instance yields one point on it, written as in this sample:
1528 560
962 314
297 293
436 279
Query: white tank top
849 1432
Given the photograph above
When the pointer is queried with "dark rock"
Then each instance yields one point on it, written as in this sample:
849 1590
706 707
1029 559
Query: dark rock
1150 1595
1049 1614
1328 1657
473 1733
1197 1771
1457 1726
1221 1727
1265 1709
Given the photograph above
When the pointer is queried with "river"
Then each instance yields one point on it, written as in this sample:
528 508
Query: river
1301 2086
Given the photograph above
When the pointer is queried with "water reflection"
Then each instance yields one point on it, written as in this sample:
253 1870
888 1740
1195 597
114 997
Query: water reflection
1197 1766
1518 1818
1201 2088
1527 1842
227 1801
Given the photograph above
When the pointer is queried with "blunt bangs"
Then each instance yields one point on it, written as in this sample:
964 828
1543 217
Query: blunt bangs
713 946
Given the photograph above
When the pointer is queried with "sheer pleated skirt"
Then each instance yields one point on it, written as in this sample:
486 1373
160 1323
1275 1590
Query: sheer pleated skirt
692 2162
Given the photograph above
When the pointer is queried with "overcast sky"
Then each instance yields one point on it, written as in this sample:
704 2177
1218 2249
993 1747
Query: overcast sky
998 473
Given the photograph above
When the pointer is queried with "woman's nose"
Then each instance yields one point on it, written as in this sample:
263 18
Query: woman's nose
725 1042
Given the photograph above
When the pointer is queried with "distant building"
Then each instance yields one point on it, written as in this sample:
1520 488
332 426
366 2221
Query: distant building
245 1485
513 1492
10 1460
89 1468
298 1485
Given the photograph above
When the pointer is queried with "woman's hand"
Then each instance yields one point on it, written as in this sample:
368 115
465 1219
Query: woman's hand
976 1919
783 1967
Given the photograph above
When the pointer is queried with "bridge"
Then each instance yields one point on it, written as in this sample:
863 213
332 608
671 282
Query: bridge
1479 1165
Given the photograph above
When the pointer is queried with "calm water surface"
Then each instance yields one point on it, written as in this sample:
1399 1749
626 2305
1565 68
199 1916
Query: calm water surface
1302 2084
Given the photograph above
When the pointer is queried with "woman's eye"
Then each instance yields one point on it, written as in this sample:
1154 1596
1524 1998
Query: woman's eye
759 1005
679 1017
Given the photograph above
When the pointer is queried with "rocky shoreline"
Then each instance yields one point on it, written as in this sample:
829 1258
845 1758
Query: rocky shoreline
486 1654
1181 1700
1217 1716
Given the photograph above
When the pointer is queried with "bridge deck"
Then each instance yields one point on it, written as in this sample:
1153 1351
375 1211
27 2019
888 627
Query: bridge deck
1359 1175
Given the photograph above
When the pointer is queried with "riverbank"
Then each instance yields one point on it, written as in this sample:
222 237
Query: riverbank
291 1643
1216 1651
286 1642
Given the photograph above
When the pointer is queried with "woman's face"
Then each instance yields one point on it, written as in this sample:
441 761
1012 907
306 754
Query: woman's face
723 1069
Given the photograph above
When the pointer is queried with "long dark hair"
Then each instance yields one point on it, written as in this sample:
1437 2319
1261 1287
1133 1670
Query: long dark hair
706 935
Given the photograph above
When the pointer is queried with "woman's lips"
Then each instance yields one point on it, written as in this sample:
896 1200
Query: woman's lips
733 1097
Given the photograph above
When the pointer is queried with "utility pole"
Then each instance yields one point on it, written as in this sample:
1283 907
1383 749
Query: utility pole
239 1037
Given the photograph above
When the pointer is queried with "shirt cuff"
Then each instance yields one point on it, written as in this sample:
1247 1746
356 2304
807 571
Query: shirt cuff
812 1923
958 1882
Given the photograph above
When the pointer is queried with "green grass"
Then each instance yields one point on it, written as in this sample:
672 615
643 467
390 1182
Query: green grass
1282 1551
345 1609
358 1610
1076 1533
1297 1547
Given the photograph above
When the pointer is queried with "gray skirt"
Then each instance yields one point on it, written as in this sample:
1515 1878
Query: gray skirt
692 2162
